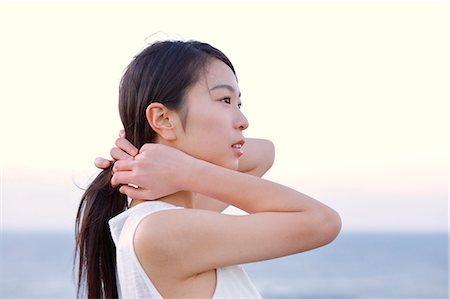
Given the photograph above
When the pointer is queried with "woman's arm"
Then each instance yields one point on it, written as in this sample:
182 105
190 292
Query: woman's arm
174 171
258 157
281 221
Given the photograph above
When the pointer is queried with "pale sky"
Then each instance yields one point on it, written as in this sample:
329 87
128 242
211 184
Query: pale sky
354 97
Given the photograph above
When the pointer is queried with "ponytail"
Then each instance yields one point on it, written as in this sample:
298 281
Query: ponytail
94 244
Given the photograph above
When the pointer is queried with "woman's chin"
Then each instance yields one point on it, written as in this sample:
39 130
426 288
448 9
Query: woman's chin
233 165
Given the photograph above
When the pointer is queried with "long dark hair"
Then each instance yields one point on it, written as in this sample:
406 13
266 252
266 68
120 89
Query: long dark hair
162 73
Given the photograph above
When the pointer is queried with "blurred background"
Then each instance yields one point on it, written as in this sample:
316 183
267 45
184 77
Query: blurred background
354 96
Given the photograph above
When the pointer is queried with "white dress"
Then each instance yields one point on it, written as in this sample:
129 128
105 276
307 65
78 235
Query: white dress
133 282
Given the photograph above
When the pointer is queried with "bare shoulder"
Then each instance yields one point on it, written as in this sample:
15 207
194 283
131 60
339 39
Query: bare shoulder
160 241
162 238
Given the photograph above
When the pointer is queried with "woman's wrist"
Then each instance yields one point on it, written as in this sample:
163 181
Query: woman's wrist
194 175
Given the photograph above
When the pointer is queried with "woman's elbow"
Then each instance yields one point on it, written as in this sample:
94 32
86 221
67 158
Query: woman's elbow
268 154
316 228
330 226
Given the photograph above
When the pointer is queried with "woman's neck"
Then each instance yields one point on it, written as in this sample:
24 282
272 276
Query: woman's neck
180 199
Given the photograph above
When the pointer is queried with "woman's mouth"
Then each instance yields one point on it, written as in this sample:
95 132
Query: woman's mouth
237 148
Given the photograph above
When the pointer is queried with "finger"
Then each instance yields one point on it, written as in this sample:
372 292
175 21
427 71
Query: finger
135 193
121 178
122 133
102 163
118 154
126 146
123 165
148 147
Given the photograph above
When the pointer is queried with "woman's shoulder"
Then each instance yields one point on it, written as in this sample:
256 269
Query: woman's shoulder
154 228
161 239
160 244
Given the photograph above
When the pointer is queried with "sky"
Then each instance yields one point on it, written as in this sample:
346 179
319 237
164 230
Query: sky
354 95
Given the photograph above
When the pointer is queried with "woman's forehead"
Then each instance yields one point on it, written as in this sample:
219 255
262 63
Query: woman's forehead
218 75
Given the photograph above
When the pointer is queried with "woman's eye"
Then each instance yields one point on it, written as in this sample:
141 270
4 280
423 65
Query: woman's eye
227 100
239 105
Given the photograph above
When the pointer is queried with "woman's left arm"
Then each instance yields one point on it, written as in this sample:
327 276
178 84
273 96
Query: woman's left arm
258 157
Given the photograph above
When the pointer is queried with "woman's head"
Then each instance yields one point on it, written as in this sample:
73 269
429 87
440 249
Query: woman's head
170 94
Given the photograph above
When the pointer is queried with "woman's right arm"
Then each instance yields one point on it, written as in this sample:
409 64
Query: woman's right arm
282 221
258 158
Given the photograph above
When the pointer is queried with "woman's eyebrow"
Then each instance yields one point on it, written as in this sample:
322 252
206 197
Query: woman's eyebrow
226 86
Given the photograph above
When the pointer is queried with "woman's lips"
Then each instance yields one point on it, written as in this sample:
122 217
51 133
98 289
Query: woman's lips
237 148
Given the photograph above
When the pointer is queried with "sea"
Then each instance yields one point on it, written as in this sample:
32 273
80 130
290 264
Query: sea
354 266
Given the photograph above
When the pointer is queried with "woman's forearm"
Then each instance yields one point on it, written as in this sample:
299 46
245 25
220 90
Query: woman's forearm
175 171
258 157
249 193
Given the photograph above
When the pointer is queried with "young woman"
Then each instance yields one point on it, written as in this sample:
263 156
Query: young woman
180 106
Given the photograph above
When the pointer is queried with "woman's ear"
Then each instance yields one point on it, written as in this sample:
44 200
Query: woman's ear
162 120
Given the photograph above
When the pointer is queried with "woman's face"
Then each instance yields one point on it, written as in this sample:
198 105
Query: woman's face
214 122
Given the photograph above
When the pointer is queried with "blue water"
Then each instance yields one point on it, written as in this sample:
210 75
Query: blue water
39 265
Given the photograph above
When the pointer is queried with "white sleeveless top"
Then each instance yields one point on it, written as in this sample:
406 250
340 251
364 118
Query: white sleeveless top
133 282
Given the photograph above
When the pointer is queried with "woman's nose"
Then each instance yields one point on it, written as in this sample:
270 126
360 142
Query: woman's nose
242 121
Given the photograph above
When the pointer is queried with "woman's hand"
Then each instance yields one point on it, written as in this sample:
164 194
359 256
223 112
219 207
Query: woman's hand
158 170
124 150
154 169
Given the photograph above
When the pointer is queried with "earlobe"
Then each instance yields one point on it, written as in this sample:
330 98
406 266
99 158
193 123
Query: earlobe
162 121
